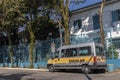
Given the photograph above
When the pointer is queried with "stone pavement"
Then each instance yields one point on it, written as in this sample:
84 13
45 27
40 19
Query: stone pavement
43 74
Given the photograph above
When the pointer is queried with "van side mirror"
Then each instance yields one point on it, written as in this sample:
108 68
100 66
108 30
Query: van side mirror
53 57
56 57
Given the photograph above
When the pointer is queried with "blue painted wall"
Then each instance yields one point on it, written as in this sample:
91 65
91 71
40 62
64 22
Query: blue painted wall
115 62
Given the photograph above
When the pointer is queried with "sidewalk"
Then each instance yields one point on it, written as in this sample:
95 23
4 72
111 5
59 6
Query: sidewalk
110 75
117 71
23 69
46 70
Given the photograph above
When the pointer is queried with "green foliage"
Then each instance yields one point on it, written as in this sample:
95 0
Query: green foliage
111 49
37 15
9 20
10 15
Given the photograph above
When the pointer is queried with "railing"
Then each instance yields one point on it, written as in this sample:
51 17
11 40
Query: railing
42 50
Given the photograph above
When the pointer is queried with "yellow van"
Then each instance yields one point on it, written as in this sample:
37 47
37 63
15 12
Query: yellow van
84 56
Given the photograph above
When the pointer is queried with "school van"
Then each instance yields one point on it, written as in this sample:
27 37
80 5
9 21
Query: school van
84 56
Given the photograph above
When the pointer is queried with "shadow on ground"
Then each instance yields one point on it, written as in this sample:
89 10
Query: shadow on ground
88 76
15 76
79 71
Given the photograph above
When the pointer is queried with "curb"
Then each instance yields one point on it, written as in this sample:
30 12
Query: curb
45 70
114 72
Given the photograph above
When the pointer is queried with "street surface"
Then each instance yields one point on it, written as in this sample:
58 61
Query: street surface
27 74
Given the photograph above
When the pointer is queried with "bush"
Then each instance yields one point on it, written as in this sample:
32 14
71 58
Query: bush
109 52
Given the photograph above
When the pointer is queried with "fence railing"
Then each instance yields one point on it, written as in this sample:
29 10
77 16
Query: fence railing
42 50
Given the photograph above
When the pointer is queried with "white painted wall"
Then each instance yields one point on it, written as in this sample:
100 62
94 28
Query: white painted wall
107 17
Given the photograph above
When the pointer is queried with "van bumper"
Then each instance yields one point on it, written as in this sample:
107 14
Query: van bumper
96 66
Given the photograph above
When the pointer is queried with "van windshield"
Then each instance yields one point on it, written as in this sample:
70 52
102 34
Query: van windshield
99 50
56 55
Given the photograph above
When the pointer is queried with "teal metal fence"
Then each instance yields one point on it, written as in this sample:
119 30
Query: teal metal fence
42 51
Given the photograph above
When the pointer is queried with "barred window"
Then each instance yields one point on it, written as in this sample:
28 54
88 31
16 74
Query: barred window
116 15
77 25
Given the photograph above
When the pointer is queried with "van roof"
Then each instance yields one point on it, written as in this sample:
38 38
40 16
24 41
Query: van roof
79 45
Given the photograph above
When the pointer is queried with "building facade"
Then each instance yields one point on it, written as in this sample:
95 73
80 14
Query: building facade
84 22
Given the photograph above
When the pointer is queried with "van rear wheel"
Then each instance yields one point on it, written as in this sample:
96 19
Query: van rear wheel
103 70
51 68
86 69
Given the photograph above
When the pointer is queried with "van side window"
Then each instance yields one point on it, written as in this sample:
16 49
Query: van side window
84 51
63 53
71 52
56 54
99 50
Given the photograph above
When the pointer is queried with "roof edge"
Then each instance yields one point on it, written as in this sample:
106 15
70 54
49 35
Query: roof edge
92 6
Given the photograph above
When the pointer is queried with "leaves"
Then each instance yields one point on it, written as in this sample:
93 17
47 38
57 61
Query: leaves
38 15
10 13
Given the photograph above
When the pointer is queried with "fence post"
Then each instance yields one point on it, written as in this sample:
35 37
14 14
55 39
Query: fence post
111 44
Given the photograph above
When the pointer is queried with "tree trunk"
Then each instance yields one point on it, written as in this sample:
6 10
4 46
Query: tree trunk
32 39
67 35
10 49
65 16
101 23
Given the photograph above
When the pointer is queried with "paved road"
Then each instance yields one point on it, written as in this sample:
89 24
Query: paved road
18 74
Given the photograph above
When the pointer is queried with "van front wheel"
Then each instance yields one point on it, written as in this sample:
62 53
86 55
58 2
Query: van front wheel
51 68
86 69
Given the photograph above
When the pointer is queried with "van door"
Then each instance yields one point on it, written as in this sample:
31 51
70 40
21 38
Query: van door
100 56
67 59
61 61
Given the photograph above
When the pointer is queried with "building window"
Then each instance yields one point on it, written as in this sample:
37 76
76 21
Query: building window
96 22
116 15
116 43
77 25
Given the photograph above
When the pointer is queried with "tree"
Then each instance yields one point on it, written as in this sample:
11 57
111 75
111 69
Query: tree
65 14
37 15
10 19
101 23
30 11
50 26
46 27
